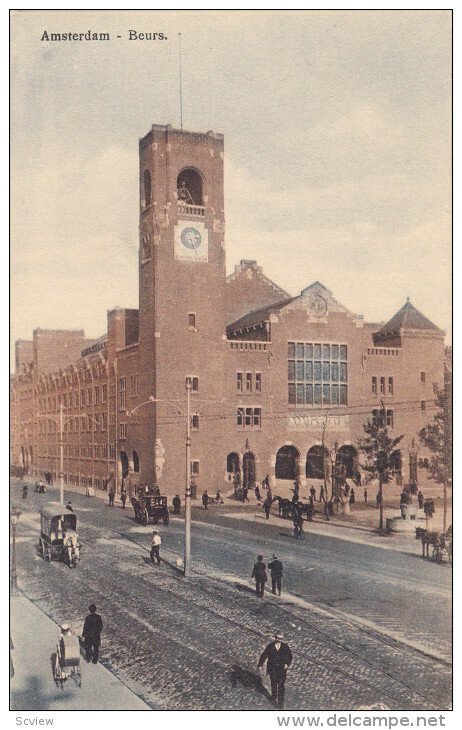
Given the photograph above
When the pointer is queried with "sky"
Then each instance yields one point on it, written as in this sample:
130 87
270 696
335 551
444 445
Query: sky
337 130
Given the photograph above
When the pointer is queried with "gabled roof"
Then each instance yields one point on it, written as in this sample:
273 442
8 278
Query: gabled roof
258 316
408 317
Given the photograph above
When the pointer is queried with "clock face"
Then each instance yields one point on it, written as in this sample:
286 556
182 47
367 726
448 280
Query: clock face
317 305
191 241
191 238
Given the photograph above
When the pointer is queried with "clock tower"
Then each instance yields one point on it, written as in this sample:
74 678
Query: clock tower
181 300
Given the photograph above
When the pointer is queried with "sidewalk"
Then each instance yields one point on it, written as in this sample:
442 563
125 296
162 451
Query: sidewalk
34 638
337 530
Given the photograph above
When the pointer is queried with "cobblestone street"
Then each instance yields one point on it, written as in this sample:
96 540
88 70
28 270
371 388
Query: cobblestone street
365 625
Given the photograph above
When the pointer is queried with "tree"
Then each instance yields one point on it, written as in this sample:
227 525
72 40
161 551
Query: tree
437 438
377 446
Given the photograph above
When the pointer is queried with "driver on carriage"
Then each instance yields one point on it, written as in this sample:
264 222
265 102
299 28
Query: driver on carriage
72 545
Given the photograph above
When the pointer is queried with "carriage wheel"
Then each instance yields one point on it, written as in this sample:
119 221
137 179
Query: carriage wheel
436 554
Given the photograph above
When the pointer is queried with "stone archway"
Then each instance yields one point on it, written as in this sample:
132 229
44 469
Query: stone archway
124 464
248 470
315 462
346 462
287 461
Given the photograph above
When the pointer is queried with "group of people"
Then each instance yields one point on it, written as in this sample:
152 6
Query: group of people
259 574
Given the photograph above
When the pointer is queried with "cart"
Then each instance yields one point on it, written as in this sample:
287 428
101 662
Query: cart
440 544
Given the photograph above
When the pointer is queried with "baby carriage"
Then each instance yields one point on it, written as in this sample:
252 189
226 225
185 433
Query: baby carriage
66 661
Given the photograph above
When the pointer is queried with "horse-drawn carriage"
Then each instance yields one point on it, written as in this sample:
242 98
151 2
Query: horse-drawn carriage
58 537
150 507
288 509
439 542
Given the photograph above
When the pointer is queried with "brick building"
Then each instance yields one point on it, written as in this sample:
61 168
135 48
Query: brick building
279 384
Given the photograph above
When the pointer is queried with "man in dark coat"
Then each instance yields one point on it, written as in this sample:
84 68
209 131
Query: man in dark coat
276 574
205 499
267 507
176 504
278 659
91 633
259 573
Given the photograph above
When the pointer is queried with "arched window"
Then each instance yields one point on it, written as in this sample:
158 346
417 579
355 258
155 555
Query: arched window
287 460
136 462
147 188
315 462
232 463
189 187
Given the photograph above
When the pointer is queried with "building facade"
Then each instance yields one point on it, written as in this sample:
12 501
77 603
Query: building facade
274 384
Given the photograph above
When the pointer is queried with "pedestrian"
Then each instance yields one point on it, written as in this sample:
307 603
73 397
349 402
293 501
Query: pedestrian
278 658
321 494
218 497
257 493
123 497
365 495
91 633
205 499
378 499
276 575
352 496
157 491
156 542
259 573
265 482
245 493
296 492
111 496
176 501
420 498
313 492
25 489
298 525
326 511
69 506
267 507
312 503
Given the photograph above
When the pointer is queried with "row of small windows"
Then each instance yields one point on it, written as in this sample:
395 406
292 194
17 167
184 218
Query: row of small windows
77 424
249 418
384 387
84 451
309 394
251 383
88 397
382 418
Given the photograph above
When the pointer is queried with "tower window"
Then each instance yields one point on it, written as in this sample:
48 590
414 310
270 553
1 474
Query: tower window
193 383
390 386
195 422
192 321
382 386
422 376
147 188
374 385
189 187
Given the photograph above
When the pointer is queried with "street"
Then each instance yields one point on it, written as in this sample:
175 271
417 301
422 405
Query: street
365 624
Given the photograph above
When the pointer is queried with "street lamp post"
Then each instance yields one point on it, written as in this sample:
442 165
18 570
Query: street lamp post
187 518
14 517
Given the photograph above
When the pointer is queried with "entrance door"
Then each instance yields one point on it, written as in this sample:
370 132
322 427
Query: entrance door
248 468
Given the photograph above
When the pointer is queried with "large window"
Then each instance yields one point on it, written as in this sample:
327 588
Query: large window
317 374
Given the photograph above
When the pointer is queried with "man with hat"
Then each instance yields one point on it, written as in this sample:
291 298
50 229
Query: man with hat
276 574
278 658
91 633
